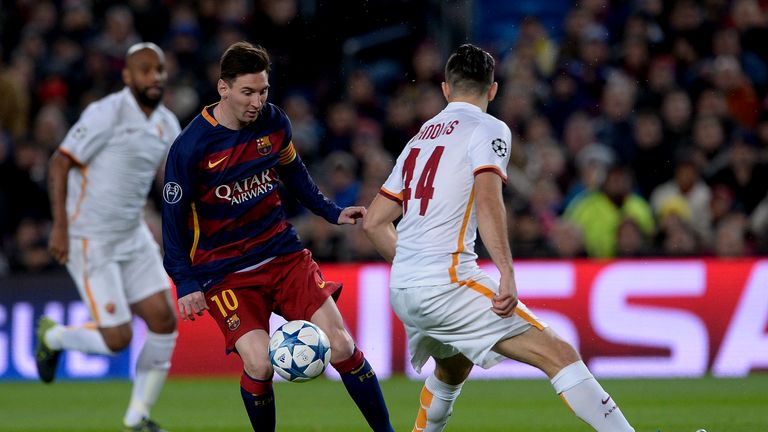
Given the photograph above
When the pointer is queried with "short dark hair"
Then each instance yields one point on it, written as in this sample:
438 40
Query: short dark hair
243 58
470 70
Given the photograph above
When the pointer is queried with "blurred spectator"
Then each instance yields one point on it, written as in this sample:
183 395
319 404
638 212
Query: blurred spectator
721 204
362 94
745 175
341 184
676 113
677 238
726 43
14 103
567 240
305 126
740 95
599 213
615 124
709 144
592 163
730 236
340 121
527 238
653 159
566 98
687 185
29 249
631 241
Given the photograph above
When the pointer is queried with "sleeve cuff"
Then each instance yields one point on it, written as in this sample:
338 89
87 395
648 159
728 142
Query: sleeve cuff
187 287
491 168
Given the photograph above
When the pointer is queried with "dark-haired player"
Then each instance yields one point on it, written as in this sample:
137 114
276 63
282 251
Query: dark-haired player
229 248
446 185
99 179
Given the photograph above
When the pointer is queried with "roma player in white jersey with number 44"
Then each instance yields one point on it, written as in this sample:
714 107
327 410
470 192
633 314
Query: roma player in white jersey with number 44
446 185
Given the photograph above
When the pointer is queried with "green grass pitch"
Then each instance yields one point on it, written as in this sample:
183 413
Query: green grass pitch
674 405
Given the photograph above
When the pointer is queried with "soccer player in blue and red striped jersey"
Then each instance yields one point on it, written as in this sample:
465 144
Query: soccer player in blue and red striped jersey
229 248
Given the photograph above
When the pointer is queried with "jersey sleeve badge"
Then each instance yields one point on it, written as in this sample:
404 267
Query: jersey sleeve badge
499 147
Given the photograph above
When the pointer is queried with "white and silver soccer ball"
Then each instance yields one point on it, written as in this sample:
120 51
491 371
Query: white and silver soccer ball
299 351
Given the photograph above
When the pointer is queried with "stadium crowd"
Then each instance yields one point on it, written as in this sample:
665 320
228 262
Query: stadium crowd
641 127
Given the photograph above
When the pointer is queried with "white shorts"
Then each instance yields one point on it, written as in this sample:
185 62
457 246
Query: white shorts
112 275
444 320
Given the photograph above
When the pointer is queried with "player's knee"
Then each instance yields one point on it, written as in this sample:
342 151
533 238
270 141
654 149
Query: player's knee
564 354
260 370
342 345
163 323
117 338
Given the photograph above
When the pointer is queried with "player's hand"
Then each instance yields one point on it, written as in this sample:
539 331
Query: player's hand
504 303
350 215
191 305
58 243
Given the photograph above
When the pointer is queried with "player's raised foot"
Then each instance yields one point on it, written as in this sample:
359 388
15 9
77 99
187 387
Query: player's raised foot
145 425
47 358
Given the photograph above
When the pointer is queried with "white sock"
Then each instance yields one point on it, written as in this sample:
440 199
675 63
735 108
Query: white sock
85 339
587 399
151 370
436 402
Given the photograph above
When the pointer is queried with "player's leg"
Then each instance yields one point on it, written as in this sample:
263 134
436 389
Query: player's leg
256 381
439 393
357 374
242 314
303 294
148 292
570 377
154 359
100 286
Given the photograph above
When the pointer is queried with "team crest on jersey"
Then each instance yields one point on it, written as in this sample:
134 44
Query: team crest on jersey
172 192
264 146
233 322
499 147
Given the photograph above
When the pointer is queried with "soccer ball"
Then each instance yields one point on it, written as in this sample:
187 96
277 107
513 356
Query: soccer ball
299 351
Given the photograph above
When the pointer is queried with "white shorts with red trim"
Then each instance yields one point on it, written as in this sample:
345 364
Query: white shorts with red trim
444 320
112 275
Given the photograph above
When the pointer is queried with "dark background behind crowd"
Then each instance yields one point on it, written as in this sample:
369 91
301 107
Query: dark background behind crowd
640 127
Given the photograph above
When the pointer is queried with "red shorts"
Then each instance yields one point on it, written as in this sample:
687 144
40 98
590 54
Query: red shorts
289 285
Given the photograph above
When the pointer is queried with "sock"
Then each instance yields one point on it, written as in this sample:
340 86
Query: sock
86 338
259 400
363 386
151 370
436 405
587 399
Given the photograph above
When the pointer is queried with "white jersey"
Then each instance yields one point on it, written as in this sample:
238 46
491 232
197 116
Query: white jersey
118 151
434 180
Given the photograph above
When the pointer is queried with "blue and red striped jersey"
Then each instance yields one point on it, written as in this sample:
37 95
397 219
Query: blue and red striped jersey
221 210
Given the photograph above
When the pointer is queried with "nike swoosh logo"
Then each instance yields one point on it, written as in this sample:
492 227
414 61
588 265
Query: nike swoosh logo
321 284
605 401
212 164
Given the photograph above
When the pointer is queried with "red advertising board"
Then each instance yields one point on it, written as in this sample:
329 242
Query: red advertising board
659 318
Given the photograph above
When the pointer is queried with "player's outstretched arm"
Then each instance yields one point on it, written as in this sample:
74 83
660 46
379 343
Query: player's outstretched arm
58 170
492 224
378 226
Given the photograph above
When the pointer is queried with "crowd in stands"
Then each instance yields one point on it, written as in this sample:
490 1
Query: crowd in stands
641 130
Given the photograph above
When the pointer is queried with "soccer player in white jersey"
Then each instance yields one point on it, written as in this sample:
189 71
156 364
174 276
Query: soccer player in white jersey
446 185
98 182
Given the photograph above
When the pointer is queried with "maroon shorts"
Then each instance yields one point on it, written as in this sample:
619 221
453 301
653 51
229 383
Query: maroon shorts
289 285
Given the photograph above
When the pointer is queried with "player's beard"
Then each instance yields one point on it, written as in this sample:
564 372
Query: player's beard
144 98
